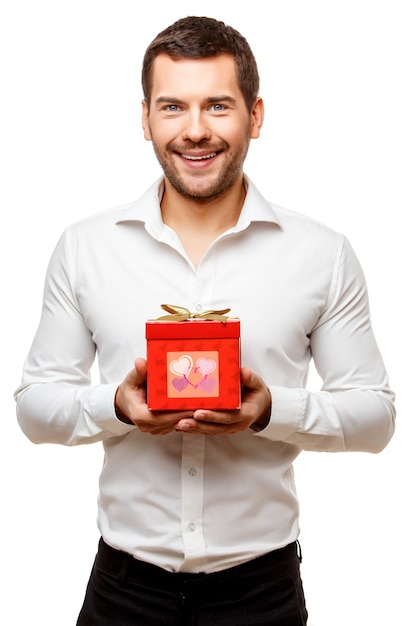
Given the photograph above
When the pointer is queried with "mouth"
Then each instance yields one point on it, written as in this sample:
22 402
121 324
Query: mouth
203 157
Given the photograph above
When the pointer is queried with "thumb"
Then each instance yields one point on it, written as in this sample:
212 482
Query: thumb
248 378
141 369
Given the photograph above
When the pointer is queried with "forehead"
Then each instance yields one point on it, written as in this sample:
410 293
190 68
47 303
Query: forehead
184 77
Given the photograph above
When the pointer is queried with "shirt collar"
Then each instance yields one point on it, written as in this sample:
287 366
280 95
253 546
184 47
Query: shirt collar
147 209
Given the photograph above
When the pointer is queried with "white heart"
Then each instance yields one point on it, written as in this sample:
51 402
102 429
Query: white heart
182 366
206 366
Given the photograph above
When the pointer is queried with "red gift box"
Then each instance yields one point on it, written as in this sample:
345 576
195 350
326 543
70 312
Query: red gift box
193 363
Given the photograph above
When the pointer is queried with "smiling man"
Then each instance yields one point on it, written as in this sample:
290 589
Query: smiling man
198 512
200 127
200 136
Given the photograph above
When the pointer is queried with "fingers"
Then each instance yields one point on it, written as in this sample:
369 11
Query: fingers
131 403
255 408
249 378
207 422
251 381
141 369
210 425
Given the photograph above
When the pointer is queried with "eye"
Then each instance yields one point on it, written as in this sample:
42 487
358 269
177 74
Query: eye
172 108
218 107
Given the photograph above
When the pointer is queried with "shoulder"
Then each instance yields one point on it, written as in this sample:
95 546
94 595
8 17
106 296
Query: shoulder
309 237
294 222
107 218
97 230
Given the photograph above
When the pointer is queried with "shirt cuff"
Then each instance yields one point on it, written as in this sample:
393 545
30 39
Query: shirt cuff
100 406
287 414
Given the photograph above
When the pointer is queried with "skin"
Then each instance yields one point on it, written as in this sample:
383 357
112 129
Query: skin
200 128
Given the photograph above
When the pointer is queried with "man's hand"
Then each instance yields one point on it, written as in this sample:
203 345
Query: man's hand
131 405
255 410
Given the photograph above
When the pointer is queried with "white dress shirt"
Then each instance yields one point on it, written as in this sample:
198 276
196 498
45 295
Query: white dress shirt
190 502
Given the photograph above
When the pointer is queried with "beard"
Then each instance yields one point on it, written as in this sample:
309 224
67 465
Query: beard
199 185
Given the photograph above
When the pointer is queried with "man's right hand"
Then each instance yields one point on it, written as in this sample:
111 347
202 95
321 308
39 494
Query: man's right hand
131 405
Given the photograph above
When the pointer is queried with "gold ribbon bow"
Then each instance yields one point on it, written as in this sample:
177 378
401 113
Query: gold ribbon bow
180 314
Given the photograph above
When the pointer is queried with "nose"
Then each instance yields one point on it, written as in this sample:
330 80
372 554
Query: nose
196 127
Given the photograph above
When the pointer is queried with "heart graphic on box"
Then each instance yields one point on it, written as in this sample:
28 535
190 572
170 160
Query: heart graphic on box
180 383
197 378
182 366
206 366
207 384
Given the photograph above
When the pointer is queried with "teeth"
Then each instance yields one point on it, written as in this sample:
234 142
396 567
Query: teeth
198 158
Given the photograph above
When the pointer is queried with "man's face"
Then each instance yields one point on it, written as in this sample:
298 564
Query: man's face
199 125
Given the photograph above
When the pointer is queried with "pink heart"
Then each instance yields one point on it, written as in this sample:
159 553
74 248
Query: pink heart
206 366
180 383
207 384
182 366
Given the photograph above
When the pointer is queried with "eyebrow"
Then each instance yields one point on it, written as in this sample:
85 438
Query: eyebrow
222 98
210 100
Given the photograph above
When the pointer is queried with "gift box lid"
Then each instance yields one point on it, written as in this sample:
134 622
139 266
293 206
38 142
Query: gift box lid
193 329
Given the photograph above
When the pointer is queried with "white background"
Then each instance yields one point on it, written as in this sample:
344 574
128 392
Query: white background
339 143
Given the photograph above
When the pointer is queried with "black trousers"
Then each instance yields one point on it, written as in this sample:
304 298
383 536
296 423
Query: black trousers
123 591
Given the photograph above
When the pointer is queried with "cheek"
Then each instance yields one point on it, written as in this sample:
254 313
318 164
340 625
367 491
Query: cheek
161 134
237 135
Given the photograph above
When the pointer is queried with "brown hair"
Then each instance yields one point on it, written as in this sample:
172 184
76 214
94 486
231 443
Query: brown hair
202 37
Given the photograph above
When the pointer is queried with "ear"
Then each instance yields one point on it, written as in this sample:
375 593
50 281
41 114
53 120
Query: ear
257 118
145 121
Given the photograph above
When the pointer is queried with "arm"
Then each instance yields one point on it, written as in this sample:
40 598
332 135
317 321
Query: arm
55 401
355 408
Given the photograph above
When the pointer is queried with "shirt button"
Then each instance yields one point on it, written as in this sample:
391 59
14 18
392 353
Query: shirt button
192 471
191 527
198 308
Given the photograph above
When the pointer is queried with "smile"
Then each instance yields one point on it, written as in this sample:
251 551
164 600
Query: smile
198 158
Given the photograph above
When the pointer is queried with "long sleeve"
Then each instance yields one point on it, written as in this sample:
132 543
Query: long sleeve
56 402
354 410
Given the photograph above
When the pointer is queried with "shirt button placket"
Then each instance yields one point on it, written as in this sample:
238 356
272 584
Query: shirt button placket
193 498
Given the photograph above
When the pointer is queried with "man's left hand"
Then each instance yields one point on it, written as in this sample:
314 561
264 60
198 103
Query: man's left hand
255 410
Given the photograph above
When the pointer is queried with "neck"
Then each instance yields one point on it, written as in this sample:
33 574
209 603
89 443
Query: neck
199 222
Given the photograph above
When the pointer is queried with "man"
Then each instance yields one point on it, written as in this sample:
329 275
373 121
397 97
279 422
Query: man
197 509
